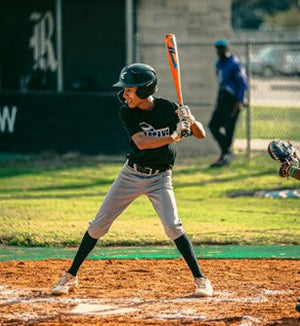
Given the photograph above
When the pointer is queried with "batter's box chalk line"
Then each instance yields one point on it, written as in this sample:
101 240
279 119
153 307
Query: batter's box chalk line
165 309
101 309
176 314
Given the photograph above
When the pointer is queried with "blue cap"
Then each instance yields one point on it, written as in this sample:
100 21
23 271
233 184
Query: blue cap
222 43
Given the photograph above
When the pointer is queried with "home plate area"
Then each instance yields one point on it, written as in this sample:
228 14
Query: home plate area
40 307
248 292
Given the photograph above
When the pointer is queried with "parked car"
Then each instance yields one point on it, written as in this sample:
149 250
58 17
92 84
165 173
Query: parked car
274 60
291 63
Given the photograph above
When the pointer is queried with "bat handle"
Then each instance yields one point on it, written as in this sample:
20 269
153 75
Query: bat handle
186 132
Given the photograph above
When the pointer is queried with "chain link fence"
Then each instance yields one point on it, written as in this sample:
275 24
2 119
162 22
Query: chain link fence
273 68
273 110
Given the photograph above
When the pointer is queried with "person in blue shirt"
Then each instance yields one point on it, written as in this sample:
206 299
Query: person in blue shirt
233 83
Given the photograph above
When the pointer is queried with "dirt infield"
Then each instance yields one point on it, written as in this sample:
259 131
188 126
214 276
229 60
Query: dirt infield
151 292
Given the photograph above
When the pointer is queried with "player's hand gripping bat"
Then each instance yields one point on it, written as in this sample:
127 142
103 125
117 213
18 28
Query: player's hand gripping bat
172 54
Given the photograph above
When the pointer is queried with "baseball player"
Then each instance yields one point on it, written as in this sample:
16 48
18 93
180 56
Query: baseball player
285 153
232 89
154 127
287 170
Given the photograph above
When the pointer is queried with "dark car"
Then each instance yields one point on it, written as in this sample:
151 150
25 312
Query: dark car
275 60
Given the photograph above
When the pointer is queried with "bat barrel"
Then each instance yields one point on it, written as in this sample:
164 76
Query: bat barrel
173 58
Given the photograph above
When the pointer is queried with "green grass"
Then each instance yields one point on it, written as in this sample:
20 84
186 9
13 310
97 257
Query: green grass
271 123
49 202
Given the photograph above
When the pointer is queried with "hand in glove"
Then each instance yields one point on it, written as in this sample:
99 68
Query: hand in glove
184 113
182 126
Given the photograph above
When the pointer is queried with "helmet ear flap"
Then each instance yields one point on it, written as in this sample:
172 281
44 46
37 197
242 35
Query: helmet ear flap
120 96
147 90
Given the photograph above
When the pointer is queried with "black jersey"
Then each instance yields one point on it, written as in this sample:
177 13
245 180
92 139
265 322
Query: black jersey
160 121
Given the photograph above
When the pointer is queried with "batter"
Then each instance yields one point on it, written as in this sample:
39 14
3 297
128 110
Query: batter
154 125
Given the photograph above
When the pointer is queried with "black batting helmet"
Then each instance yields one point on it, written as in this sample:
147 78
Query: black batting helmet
141 75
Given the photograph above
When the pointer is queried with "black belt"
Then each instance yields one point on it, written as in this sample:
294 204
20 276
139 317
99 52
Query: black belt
144 170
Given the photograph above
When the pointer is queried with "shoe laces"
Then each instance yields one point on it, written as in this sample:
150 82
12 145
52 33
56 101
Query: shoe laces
65 278
201 282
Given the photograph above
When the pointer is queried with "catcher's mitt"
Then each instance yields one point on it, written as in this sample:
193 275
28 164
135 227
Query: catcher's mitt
284 153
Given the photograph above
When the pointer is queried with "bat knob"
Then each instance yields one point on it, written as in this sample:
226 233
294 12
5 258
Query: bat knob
186 133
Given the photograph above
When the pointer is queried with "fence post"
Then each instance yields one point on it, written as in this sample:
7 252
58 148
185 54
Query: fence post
59 45
248 111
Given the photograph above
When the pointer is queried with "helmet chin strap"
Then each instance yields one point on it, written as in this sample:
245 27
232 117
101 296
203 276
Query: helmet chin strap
120 96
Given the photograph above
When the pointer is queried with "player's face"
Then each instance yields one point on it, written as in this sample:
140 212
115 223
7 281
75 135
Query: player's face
221 52
131 98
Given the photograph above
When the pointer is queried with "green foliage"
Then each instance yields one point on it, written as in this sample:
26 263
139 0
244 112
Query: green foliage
271 123
49 202
286 19
252 13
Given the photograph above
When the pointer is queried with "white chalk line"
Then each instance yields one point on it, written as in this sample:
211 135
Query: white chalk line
83 306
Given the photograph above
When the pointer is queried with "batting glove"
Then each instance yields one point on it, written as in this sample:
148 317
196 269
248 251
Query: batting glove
182 128
184 113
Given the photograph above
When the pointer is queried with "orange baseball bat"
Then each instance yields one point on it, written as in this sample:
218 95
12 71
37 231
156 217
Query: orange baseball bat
173 57
172 54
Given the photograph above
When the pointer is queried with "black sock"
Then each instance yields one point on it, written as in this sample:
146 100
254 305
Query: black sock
184 245
86 246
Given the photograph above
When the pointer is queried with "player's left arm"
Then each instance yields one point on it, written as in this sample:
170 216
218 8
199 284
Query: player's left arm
198 130
241 82
240 78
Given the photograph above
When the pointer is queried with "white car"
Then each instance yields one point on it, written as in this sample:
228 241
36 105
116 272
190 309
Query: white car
274 60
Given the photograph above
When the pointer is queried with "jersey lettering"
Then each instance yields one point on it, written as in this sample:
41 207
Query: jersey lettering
150 131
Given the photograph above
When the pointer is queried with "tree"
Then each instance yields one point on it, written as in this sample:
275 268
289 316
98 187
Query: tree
286 19
252 13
